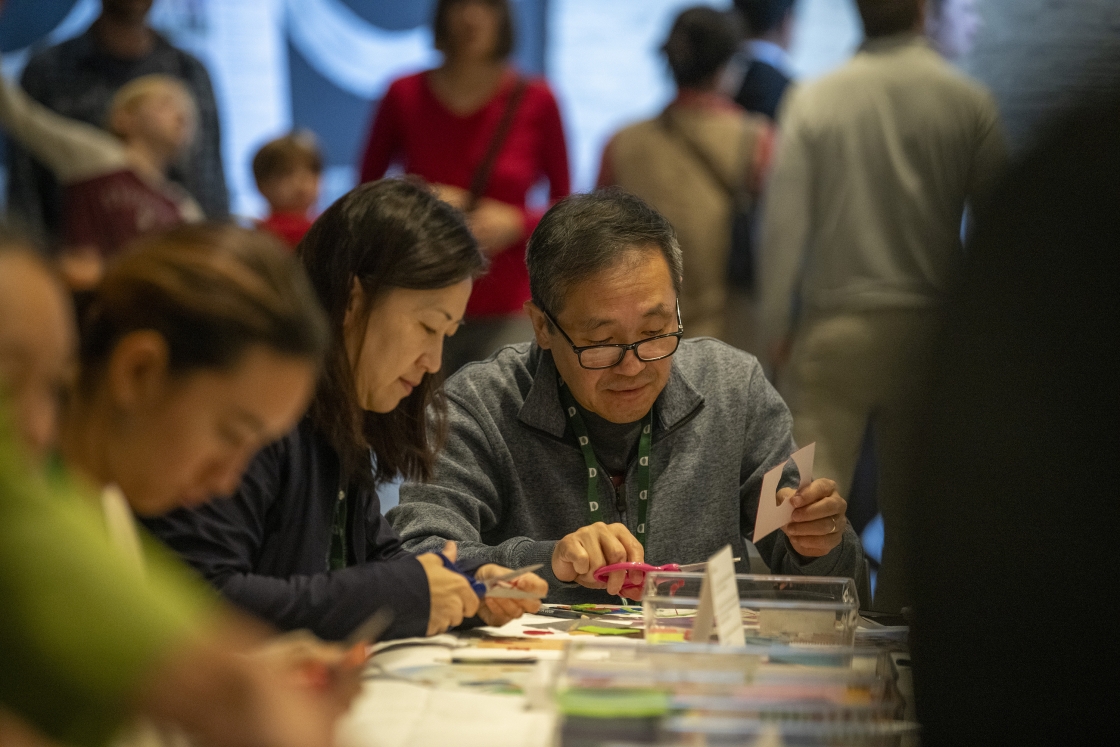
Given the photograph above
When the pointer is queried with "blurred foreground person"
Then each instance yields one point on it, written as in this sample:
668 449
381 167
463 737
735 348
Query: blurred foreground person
861 246
697 163
1014 642
86 642
483 136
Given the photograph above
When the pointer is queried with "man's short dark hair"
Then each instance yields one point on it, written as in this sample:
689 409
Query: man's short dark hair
700 42
763 16
585 234
886 17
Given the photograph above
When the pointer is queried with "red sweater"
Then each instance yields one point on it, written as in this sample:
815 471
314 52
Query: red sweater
414 129
289 227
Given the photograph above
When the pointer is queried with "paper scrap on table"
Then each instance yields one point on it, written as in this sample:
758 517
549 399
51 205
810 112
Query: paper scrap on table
771 516
719 603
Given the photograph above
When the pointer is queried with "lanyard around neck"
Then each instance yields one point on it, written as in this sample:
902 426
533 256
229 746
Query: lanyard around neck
593 467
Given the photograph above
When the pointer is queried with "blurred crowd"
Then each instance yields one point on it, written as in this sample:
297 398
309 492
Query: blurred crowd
820 226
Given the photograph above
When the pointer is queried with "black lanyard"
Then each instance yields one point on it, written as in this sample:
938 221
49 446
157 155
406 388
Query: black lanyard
593 467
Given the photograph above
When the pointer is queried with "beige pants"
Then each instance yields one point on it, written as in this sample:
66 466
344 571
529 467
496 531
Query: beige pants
844 370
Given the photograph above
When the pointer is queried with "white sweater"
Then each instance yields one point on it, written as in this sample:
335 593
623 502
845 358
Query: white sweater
874 166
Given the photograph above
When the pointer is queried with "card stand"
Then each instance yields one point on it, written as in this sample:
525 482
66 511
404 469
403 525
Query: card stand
797 610
689 694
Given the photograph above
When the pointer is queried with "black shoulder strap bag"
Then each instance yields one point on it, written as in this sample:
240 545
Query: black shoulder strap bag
482 173
740 263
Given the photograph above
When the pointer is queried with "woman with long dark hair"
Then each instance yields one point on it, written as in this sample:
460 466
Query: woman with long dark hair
302 543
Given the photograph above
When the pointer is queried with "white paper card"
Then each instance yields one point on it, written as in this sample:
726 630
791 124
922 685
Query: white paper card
772 516
803 458
719 603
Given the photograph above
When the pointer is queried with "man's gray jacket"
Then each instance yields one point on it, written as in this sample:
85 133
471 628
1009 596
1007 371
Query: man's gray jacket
512 480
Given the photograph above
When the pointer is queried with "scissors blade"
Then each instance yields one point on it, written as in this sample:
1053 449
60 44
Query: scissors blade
690 567
512 575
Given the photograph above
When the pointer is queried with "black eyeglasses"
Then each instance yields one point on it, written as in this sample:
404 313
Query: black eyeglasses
597 357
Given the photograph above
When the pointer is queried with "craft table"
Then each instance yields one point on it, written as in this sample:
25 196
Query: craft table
394 710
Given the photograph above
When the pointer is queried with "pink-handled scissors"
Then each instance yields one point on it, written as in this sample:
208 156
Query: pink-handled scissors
636 571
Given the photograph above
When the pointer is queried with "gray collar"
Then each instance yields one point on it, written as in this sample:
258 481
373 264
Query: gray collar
542 409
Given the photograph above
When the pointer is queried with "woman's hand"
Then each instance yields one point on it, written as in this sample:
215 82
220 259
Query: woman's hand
498 611
496 225
451 597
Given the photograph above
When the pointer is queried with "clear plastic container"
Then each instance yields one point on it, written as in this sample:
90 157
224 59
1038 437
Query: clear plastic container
800 610
690 694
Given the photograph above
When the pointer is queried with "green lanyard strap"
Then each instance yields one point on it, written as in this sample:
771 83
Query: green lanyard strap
593 467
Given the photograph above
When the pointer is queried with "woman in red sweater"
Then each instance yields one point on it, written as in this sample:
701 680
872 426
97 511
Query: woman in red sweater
442 125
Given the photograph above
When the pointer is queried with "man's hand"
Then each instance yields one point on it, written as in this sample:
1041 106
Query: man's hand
451 595
498 611
818 522
578 555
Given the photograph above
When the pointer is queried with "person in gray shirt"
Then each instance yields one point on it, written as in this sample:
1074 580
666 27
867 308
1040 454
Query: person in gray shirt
609 438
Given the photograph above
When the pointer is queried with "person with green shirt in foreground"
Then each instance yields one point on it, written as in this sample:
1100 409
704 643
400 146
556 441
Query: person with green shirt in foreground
87 640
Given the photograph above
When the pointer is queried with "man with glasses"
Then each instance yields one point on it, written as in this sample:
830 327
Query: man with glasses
609 438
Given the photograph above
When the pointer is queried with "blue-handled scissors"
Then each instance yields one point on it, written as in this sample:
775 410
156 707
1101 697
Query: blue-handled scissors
490 587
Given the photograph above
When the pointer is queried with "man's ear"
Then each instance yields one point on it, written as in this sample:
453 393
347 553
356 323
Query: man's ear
541 325
138 368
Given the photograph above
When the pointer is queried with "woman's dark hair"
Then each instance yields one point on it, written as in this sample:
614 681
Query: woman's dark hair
504 45
700 42
387 234
212 291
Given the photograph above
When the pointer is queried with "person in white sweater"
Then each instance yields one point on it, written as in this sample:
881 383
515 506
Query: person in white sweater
115 181
861 243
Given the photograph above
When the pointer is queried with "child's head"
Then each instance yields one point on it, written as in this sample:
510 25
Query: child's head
157 109
288 171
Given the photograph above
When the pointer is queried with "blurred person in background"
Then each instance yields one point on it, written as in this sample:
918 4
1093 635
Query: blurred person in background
952 26
483 136
121 644
761 72
1014 641
696 163
79 78
115 182
289 172
302 542
861 246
